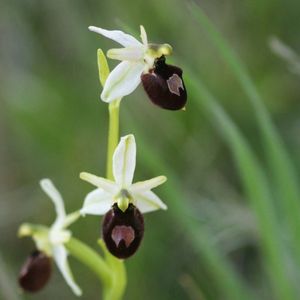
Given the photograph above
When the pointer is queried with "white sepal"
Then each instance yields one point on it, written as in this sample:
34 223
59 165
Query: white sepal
148 201
124 160
100 182
55 196
97 202
118 36
143 186
60 256
122 80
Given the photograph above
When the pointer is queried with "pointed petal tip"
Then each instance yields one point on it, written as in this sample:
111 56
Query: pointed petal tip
129 137
104 97
164 206
45 182
143 35
83 175
60 255
163 179
78 292
92 28
142 29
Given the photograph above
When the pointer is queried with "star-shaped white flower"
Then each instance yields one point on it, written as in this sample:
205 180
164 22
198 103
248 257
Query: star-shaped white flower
137 58
122 191
51 240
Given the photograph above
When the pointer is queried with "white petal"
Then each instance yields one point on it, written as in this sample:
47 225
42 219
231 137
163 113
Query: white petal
117 36
55 196
144 35
143 186
60 256
124 161
130 53
59 236
100 182
148 201
71 218
97 202
122 80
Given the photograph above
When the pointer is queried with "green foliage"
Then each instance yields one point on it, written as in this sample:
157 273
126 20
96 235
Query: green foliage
231 184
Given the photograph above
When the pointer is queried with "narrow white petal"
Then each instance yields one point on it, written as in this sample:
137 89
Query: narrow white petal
143 186
130 53
122 80
144 35
124 161
71 218
100 182
55 196
148 201
118 36
60 256
97 202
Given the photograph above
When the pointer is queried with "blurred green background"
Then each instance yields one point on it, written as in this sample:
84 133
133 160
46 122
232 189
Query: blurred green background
211 242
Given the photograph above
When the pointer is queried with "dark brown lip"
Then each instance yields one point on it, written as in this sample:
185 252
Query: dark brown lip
164 85
123 231
36 272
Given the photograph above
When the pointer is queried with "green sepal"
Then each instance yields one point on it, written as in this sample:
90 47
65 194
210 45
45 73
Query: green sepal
103 67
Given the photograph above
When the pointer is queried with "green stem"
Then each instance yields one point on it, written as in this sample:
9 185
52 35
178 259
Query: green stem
91 259
113 135
119 278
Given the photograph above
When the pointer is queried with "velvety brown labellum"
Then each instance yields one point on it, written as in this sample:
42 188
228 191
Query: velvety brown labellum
164 85
123 231
35 272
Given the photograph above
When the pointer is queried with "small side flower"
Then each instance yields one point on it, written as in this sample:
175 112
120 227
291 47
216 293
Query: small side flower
50 245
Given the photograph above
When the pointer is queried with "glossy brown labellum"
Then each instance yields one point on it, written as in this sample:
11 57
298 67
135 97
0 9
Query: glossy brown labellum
164 85
123 231
35 272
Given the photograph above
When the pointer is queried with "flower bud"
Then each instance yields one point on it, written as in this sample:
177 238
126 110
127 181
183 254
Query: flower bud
164 85
35 272
123 231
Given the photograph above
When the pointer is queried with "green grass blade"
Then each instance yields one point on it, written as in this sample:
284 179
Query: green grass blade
256 187
279 162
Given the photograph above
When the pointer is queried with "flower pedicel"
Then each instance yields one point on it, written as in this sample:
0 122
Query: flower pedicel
143 62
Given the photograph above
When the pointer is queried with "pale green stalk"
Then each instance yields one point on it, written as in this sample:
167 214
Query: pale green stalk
91 259
113 135
110 270
118 274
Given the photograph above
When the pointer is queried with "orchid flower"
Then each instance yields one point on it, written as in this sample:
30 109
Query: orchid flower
136 58
122 191
50 241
